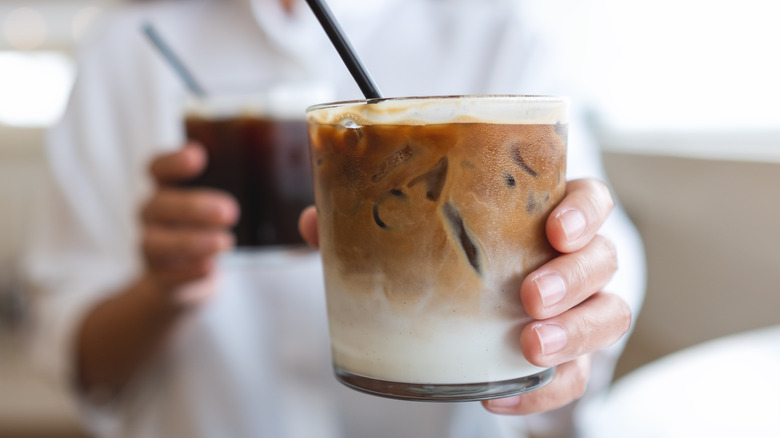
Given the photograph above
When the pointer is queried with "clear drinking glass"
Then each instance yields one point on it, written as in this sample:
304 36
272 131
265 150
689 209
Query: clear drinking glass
432 211
257 149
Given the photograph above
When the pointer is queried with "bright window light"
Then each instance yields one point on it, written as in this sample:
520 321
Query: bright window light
34 87
686 64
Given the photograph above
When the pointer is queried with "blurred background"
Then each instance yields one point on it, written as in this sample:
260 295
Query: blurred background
37 40
684 96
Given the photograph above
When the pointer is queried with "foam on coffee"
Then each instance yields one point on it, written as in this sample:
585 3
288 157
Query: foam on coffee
496 109
431 214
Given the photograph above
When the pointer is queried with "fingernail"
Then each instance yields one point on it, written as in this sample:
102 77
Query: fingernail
551 337
573 224
502 404
551 289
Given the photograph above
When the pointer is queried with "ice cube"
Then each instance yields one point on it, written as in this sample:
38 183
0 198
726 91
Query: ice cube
434 179
349 124
391 162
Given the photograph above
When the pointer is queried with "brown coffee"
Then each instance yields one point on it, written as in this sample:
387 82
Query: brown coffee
397 188
264 163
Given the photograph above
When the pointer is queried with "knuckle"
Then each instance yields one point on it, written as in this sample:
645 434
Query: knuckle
195 244
598 197
602 192
589 266
192 205
581 377
625 316
606 193
620 317
207 207
582 270
589 329
204 245
608 250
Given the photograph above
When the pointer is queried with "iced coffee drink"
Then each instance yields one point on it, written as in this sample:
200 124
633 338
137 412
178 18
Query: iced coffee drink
431 213
259 155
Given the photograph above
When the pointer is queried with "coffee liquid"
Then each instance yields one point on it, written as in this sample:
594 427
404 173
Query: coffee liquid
265 165
426 233
463 196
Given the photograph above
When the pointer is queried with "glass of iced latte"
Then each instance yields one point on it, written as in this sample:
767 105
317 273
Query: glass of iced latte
432 211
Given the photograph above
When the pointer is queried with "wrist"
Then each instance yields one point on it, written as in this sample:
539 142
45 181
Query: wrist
119 335
165 300
156 299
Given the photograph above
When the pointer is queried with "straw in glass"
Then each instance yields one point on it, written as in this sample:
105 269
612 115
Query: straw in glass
344 48
173 60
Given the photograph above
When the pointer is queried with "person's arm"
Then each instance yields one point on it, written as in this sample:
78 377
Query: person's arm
183 231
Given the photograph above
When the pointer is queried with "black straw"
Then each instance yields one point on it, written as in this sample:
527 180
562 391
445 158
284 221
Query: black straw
173 60
347 53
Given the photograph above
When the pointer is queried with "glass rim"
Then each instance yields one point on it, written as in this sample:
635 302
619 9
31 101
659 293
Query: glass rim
448 97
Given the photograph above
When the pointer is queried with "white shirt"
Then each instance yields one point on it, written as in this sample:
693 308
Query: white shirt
255 362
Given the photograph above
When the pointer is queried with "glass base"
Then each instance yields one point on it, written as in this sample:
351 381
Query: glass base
458 392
